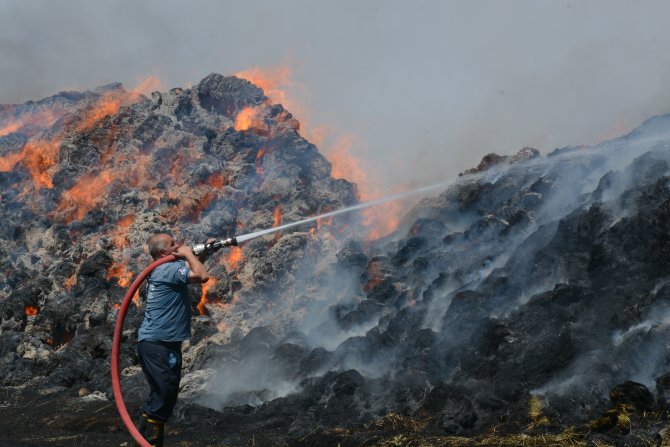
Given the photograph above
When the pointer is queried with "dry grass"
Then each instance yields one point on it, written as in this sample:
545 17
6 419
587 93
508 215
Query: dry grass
565 438
538 419
412 435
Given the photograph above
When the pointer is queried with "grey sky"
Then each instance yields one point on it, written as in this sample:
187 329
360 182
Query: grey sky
428 87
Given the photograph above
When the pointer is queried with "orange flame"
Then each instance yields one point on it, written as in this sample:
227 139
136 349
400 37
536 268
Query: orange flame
121 232
10 128
121 272
182 158
71 281
204 202
126 221
37 157
345 164
259 162
8 162
147 85
376 276
277 215
234 257
216 181
191 207
39 118
245 118
86 195
31 311
136 298
380 220
271 80
203 298
321 222
383 219
249 118
108 104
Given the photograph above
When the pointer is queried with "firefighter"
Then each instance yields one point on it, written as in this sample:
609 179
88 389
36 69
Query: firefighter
166 324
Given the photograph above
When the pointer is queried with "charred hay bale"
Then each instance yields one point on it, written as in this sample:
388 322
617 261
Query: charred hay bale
469 194
450 409
663 390
337 398
176 101
487 227
489 160
369 349
287 358
345 383
230 144
316 360
227 95
364 312
630 418
528 348
351 256
259 339
96 265
409 249
202 327
467 312
525 154
430 228
634 395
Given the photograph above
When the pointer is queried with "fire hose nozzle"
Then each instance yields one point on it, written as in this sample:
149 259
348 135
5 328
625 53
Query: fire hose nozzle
231 241
207 249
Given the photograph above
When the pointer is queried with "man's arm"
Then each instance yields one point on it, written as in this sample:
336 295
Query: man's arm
198 273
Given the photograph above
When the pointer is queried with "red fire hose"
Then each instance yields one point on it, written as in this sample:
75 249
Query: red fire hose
116 345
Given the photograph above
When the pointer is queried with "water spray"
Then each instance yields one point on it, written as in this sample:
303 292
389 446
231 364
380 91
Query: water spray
206 249
214 246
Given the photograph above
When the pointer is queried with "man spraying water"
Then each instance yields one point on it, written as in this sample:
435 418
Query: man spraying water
166 324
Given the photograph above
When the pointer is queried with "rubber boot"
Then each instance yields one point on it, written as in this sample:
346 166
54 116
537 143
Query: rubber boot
141 425
154 432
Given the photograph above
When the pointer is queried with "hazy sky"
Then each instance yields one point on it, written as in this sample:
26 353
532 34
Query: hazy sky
424 87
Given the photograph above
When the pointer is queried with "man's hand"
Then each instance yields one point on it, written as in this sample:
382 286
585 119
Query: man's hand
198 273
208 250
183 251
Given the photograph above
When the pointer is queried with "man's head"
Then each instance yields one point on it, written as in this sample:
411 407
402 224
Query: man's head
160 245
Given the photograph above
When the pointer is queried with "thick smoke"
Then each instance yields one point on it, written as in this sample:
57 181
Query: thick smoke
429 87
481 263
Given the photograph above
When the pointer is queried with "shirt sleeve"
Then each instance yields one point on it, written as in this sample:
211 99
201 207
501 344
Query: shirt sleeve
177 273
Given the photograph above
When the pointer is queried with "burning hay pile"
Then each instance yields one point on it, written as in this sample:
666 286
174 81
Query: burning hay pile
527 301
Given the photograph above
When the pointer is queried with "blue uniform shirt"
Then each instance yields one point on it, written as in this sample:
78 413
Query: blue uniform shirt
167 316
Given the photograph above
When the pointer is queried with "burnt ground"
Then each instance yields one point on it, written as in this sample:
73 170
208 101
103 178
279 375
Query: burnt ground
29 418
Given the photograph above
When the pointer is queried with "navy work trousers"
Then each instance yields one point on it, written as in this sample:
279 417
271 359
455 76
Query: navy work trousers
161 363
